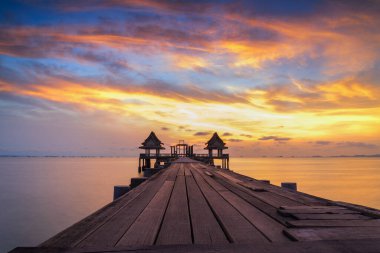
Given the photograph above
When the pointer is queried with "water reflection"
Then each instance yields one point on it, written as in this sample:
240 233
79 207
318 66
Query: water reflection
42 196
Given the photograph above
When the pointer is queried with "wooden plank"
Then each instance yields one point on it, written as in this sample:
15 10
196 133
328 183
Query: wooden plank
292 195
244 193
271 198
236 227
343 233
176 227
201 171
229 177
111 231
253 183
374 213
267 197
209 174
264 223
313 216
181 170
76 233
187 171
206 229
145 229
316 211
312 207
174 171
333 223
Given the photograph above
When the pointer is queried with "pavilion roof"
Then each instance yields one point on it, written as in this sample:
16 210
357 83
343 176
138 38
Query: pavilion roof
215 142
152 142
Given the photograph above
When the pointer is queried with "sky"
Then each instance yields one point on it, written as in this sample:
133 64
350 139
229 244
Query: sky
289 77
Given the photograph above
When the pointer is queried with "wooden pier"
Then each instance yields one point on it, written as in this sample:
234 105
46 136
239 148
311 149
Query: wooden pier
194 207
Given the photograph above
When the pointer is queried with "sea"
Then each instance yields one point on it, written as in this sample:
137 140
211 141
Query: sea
41 196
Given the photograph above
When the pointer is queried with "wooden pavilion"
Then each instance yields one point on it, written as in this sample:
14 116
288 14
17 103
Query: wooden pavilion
150 143
216 143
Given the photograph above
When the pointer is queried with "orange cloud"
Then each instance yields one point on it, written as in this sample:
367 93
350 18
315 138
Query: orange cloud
341 94
189 62
347 42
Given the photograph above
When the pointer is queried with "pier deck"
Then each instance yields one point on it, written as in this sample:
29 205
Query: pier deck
193 207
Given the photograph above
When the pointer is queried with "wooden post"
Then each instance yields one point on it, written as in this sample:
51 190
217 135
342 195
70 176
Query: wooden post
147 163
136 181
120 190
150 172
289 185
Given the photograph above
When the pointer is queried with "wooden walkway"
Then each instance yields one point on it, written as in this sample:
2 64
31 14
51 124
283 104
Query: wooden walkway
193 207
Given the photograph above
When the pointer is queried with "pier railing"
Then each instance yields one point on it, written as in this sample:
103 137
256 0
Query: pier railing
214 156
168 155
161 155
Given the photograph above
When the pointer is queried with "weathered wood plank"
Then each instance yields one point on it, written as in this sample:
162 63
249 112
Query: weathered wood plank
252 197
295 196
264 223
244 193
266 196
209 174
333 223
342 233
313 216
372 212
206 229
172 175
176 227
311 207
229 177
237 228
111 231
187 171
200 172
181 170
316 211
270 197
145 229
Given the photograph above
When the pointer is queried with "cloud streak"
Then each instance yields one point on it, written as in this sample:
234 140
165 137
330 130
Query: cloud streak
274 138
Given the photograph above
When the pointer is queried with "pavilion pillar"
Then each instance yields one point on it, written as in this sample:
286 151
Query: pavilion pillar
147 163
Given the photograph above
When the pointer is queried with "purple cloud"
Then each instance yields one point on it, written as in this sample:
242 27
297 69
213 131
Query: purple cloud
275 138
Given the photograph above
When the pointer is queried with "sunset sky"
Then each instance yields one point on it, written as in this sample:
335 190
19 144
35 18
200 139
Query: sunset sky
292 78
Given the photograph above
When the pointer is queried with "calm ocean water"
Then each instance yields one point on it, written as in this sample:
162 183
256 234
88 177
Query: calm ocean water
41 196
